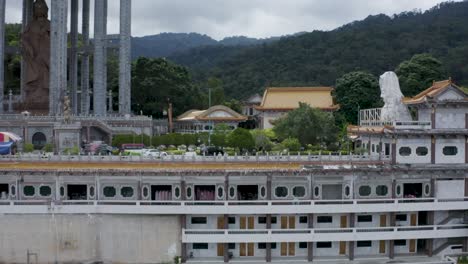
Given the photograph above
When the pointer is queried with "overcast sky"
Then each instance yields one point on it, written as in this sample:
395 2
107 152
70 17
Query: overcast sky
253 18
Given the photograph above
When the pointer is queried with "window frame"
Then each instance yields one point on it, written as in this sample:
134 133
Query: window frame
418 152
362 195
199 218
450 147
299 186
127 186
33 187
405 147
104 191
45 185
282 197
324 217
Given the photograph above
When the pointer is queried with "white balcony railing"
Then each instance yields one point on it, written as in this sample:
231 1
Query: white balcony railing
230 207
322 234
372 118
335 157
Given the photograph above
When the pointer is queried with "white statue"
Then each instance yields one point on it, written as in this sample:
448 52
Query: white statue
394 109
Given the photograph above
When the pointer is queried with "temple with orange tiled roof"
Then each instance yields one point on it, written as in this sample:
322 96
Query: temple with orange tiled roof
278 101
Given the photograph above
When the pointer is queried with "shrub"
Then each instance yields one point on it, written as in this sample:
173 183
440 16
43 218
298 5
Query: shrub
28 147
48 147
292 144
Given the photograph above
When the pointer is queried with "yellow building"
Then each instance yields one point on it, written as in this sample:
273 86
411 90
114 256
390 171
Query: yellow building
278 101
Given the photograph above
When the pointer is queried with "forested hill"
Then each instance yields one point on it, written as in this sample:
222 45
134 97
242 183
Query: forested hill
167 44
375 44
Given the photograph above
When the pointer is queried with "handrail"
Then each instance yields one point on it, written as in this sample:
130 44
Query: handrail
326 230
231 202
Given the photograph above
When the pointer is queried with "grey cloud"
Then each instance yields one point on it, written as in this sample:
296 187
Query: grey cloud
254 18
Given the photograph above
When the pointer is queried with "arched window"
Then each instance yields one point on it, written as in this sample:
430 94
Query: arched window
347 191
39 140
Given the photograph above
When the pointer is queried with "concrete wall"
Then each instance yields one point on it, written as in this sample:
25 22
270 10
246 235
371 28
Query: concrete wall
80 238
456 142
450 117
414 143
450 189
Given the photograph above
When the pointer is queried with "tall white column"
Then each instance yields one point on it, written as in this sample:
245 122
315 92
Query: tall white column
85 59
125 57
2 53
100 60
73 65
58 56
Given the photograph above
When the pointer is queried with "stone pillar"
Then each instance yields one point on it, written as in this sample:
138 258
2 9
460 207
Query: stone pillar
351 243
85 59
58 56
73 60
394 150
100 60
26 17
125 57
2 53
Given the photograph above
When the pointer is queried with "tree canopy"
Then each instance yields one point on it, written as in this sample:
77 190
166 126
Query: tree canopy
418 73
155 81
241 139
354 91
309 125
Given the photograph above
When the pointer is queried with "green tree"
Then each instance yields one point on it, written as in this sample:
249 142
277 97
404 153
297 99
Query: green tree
217 90
418 73
261 139
309 125
220 132
292 144
234 104
354 91
241 139
155 81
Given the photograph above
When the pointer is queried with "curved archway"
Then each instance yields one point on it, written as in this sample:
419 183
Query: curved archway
39 140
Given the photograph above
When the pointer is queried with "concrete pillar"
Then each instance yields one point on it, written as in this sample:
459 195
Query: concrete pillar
226 218
125 57
85 59
109 102
391 243
310 245
433 151
351 243
10 101
268 219
58 56
2 53
100 60
183 222
26 17
73 60
430 241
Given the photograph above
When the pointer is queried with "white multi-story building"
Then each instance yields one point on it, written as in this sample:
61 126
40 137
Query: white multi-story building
404 200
